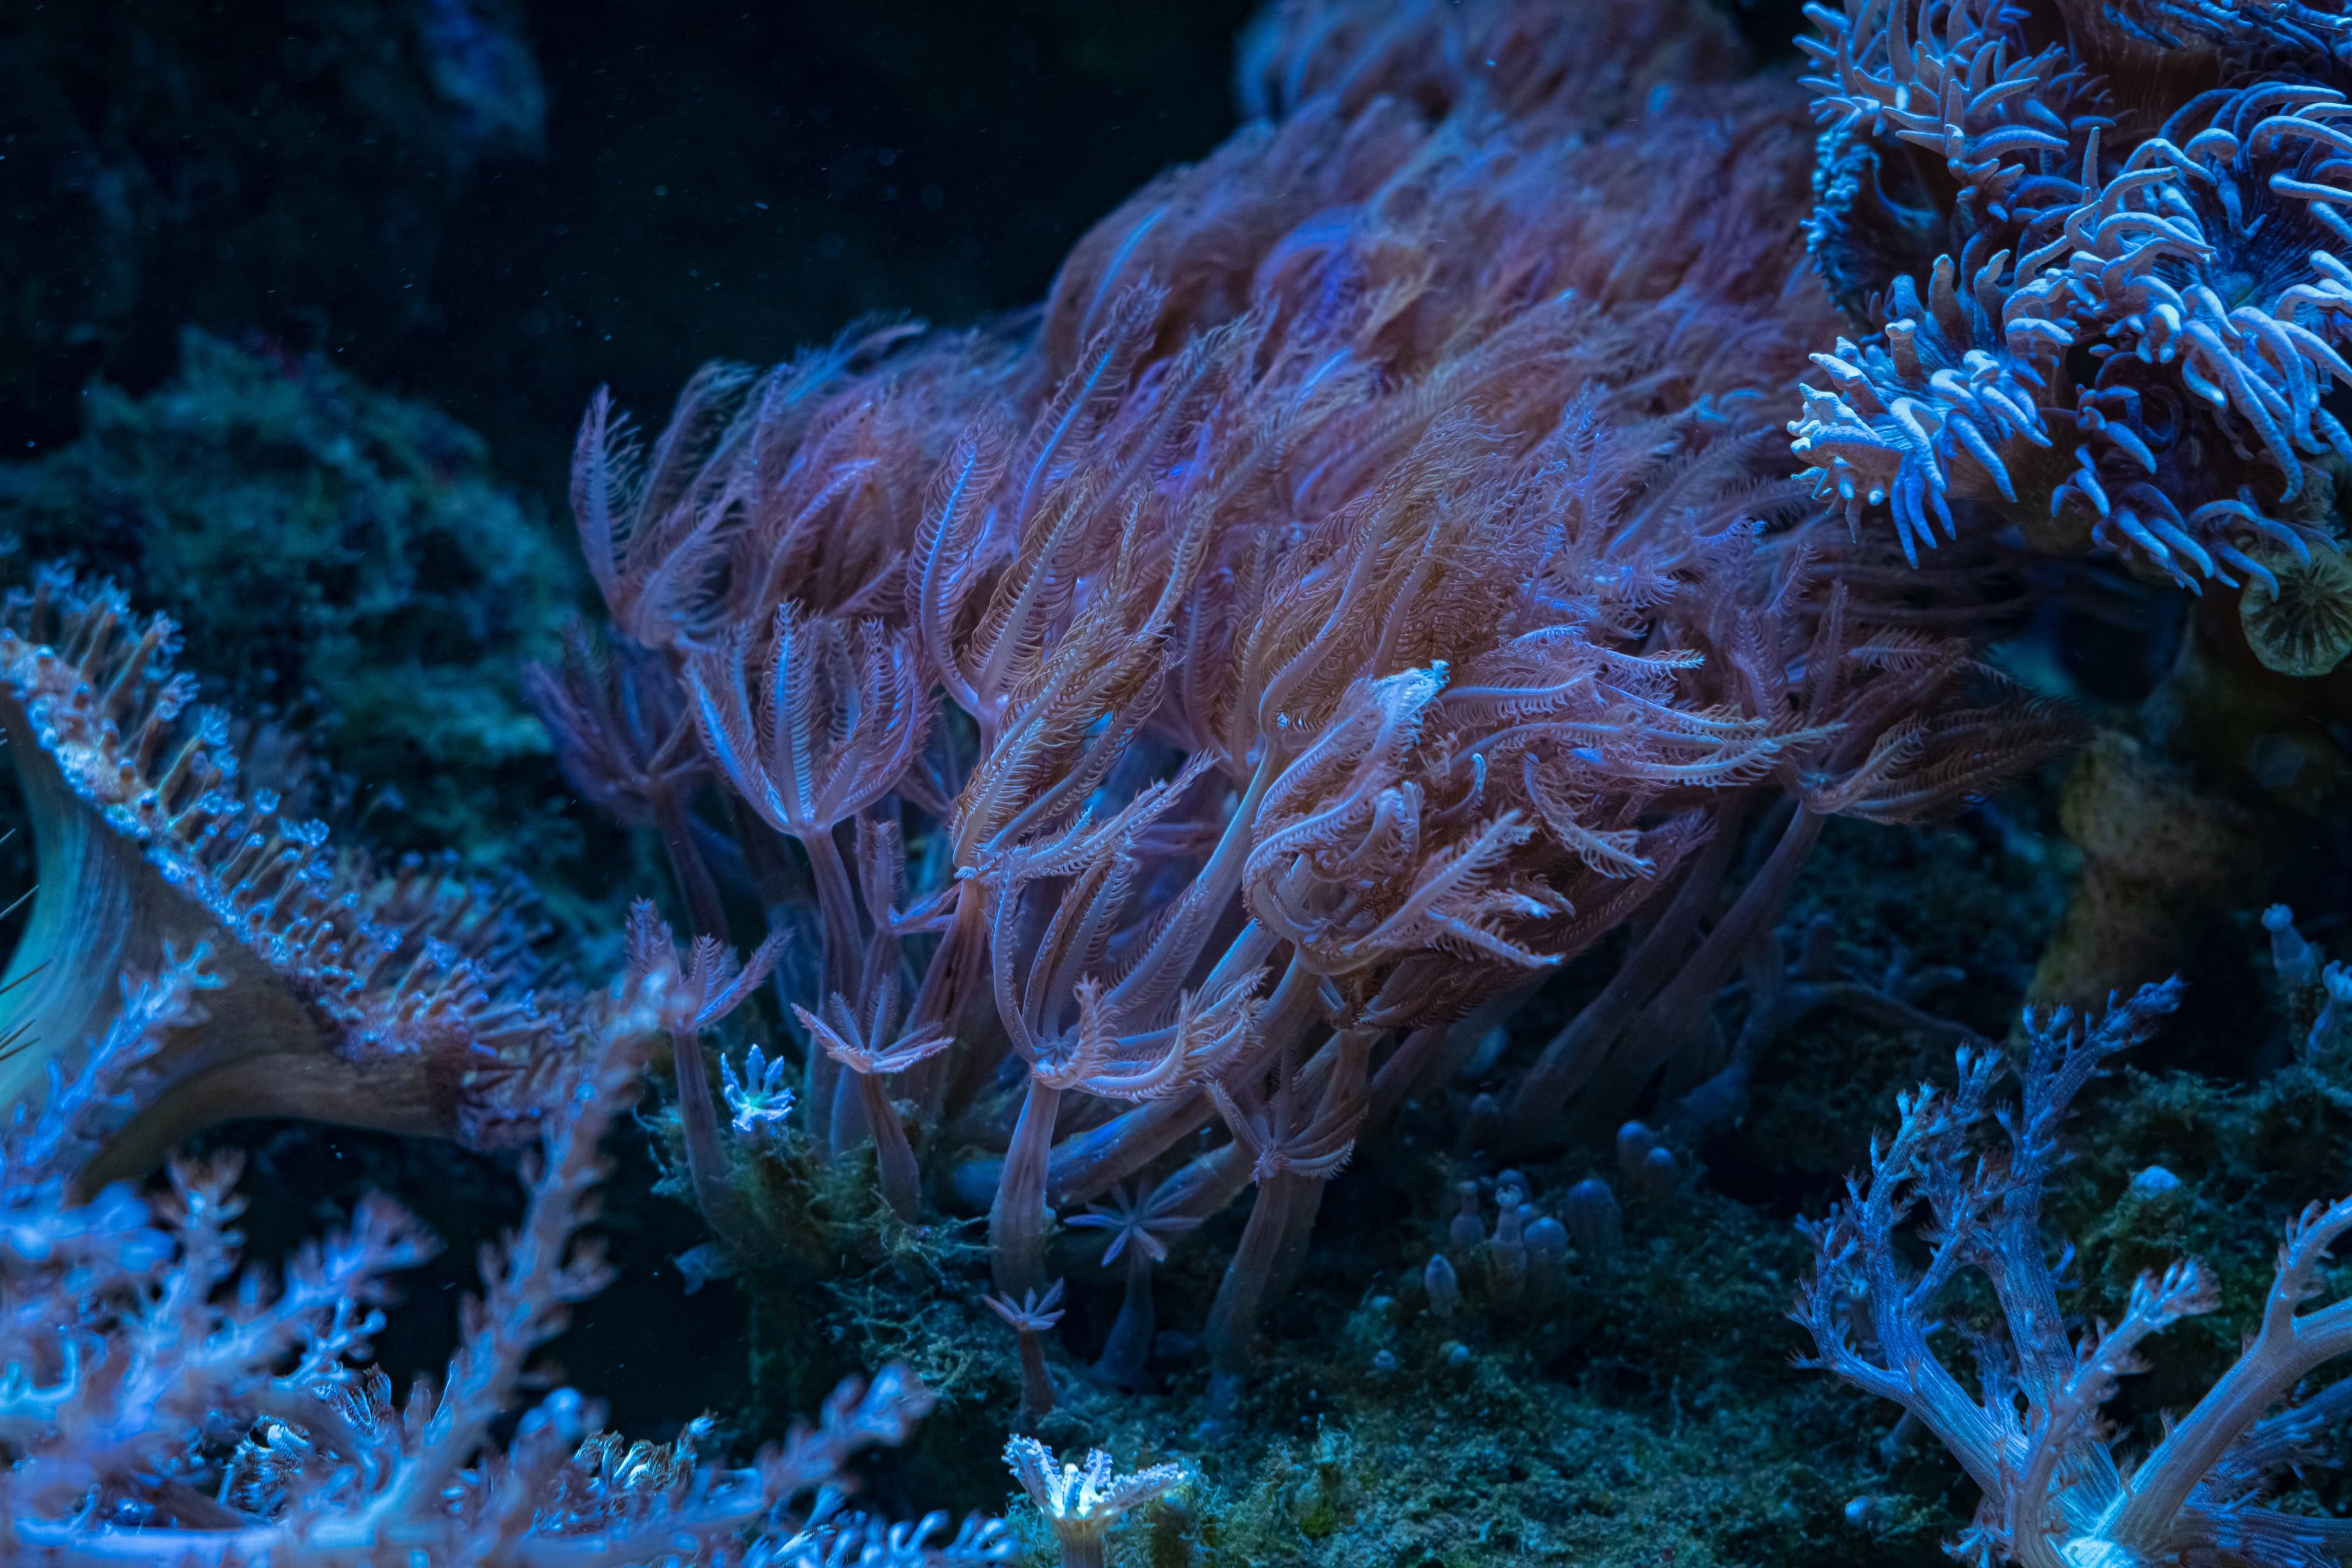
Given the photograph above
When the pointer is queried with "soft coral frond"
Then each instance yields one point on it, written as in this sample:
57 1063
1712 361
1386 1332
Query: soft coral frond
407 997
817 725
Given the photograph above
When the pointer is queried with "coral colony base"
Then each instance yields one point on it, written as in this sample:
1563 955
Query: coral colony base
1353 670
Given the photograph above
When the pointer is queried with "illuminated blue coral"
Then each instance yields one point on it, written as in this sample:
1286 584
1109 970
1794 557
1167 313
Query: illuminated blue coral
2153 320
161 1402
1970 1174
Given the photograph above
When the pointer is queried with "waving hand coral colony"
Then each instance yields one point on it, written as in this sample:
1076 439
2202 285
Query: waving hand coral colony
1365 589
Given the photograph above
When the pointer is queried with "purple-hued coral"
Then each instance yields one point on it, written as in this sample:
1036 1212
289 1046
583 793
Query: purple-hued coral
1139 1225
1137 751
1366 588
2030 1431
1032 1319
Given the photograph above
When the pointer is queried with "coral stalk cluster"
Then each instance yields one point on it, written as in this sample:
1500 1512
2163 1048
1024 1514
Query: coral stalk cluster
1363 590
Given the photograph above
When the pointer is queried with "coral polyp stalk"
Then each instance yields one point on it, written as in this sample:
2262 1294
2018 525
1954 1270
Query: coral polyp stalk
1296 1148
1032 1317
1139 1227
896 1177
1017 1219
1281 1216
1083 1503
1572 1059
1676 1017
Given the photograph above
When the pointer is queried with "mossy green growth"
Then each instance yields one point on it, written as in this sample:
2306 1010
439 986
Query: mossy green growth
2181 1164
346 566
1651 1413
837 1283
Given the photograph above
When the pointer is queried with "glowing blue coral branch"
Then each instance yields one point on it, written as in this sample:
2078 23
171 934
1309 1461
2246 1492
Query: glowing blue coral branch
2180 312
759 1103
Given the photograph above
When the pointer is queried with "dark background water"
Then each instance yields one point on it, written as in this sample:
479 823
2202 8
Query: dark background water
497 206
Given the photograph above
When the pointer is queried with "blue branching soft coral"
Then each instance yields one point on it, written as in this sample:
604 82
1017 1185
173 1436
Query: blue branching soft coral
159 1406
2100 286
2029 1433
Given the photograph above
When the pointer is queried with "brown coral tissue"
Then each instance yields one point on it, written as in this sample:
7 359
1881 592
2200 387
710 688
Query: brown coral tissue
400 998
